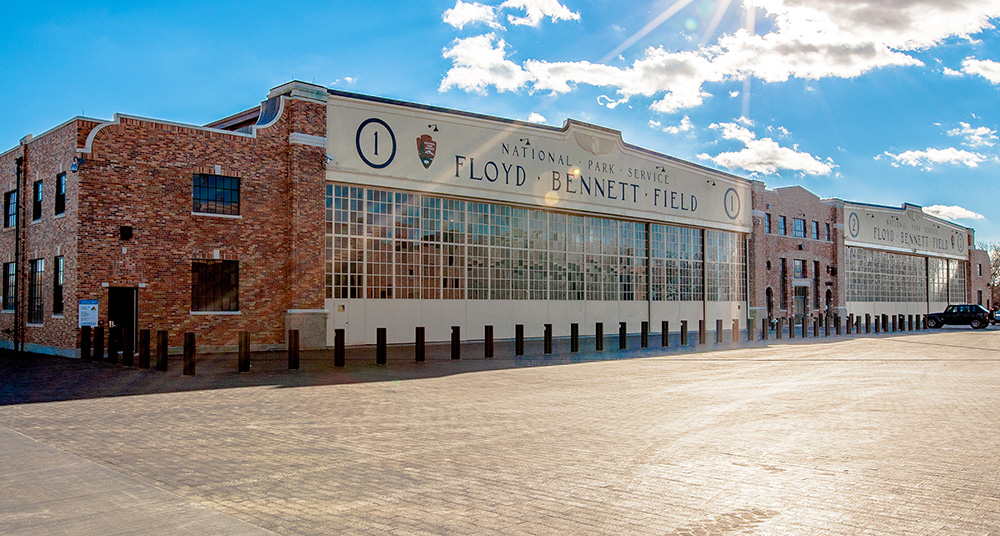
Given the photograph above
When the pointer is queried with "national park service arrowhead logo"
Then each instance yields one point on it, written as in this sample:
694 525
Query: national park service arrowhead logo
426 147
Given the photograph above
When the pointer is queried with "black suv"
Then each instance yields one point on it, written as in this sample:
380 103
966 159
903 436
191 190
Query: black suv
974 315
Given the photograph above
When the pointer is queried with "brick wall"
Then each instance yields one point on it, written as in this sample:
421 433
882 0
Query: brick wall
139 173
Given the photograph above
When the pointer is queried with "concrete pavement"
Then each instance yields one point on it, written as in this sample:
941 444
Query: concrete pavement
895 434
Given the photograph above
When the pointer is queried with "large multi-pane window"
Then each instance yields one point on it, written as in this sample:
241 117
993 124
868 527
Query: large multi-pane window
725 273
956 281
10 208
36 308
385 245
782 230
798 228
9 285
215 194
883 276
815 230
937 279
58 278
215 285
798 268
60 202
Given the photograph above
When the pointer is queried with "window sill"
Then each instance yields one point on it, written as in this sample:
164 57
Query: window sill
8 311
225 313
33 222
213 215
58 316
30 325
58 216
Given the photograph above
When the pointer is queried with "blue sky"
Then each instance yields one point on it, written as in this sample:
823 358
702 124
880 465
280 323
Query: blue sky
879 101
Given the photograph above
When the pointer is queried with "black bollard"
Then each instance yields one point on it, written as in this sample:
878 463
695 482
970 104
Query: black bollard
574 337
868 323
878 320
664 333
243 358
764 329
599 336
909 322
161 351
736 330
380 346
548 338
518 339
419 343
718 331
456 342
644 334
293 349
781 329
339 352
791 327
684 332
701 331
826 327
622 336
114 343
144 348
487 341
189 354
128 352
85 336
816 326
98 354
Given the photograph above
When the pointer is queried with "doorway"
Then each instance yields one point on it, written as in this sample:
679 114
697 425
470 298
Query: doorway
801 303
123 310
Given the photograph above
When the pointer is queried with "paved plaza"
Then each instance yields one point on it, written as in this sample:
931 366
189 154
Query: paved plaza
889 434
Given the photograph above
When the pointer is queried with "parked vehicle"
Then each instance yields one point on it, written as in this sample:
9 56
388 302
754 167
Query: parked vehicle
996 316
974 315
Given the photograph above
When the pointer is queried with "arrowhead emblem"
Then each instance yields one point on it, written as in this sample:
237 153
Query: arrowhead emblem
426 147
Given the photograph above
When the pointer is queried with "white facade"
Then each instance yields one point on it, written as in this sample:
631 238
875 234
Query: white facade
431 211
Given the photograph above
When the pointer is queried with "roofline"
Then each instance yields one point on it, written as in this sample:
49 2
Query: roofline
31 138
527 124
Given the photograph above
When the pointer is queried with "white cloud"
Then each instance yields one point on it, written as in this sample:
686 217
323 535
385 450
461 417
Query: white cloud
988 69
478 64
765 156
952 72
975 137
468 13
734 94
536 117
929 158
684 126
810 39
953 213
536 10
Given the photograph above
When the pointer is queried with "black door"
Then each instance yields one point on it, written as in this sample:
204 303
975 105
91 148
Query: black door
123 310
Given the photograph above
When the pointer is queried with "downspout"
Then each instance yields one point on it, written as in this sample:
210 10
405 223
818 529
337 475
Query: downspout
18 264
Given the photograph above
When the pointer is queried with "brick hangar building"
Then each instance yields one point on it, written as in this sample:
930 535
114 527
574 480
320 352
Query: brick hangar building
323 210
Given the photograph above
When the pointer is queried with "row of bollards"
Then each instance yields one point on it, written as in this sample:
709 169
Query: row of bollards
821 326
120 342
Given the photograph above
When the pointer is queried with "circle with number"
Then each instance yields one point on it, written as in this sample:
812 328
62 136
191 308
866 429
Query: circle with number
854 225
732 203
376 143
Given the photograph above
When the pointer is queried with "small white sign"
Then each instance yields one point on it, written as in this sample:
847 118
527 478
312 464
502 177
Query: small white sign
88 313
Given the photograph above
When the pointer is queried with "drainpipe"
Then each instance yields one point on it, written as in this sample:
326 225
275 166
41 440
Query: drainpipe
18 264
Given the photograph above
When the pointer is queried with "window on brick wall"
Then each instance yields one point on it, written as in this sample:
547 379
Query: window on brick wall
815 230
828 232
58 275
10 208
36 270
798 268
798 228
36 201
9 284
215 285
216 194
60 193
767 223
781 226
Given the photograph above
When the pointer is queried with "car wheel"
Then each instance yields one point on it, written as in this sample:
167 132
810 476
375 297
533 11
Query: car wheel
977 324
933 323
